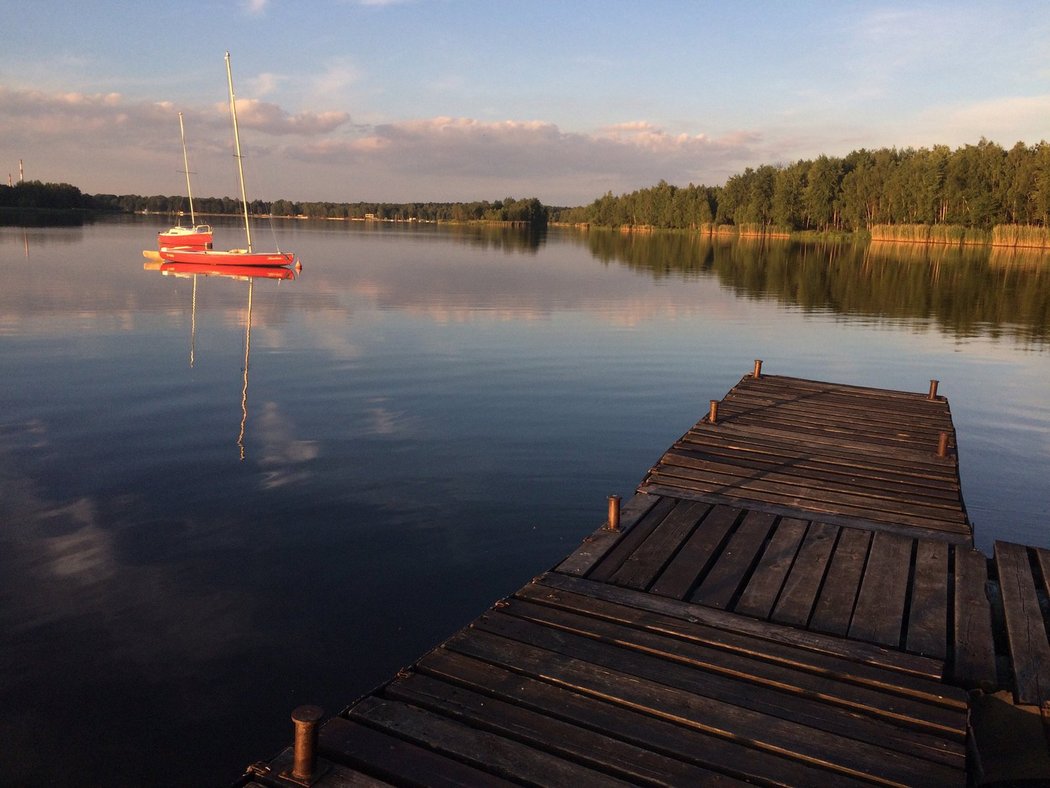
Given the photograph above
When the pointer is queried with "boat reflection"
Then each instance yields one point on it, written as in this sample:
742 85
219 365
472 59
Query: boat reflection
243 273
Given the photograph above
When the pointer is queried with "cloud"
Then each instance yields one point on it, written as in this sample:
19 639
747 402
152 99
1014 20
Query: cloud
34 117
339 74
266 83
255 7
282 457
31 114
460 146
271 119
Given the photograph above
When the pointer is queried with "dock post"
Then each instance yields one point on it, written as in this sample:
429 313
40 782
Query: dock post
712 416
758 369
305 750
613 523
942 445
933 390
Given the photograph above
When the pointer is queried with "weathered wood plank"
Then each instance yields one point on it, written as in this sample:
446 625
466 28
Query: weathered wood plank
973 645
873 406
765 584
866 520
548 733
695 708
834 609
687 628
693 747
796 601
861 652
879 614
798 498
829 458
1025 630
927 631
595 546
697 554
1042 557
892 497
841 496
865 396
865 412
629 540
767 380
649 559
874 412
824 416
820 700
837 442
506 758
804 425
943 492
731 570
395 759
334 774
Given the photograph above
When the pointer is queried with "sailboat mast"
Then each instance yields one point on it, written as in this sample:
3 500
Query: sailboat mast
237 148
186 169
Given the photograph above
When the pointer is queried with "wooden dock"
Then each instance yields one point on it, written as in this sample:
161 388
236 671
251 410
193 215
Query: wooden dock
791 597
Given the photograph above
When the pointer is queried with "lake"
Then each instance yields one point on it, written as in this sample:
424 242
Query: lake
192 545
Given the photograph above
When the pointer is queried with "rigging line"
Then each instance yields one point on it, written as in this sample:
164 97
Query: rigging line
273 231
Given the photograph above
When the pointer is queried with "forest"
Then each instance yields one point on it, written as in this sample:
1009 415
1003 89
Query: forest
976 190
974 186
62 196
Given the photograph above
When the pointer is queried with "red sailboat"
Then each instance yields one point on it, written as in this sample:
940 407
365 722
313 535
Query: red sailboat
196 236
240 272
237 257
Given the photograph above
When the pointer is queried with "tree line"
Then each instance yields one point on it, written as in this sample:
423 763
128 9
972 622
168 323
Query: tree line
54 196
62 196
974 186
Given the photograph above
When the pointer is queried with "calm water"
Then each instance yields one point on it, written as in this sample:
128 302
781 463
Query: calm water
431 417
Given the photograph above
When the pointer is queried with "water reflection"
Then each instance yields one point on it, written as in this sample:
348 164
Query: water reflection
242 273
40 217
447 416
511 239
966 291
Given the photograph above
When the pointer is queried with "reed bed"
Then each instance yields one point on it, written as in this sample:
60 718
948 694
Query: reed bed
1011 235
953 234
1026 236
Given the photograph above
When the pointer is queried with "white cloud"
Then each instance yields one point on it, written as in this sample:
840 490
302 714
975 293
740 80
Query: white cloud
446 146
331 85
266 83
270 118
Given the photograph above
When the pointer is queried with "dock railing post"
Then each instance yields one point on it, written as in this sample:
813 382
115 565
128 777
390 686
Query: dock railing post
942 445
613 523
712 415
758 369
933 390
304 764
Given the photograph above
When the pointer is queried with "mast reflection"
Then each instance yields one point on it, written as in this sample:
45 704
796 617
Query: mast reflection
242 273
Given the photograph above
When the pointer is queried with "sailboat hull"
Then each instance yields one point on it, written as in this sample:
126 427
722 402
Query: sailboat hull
230 257
199 237
233 272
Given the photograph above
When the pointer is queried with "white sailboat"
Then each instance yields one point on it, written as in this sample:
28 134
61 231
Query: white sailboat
197 236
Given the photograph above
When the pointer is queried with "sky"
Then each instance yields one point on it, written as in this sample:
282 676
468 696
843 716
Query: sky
457 100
